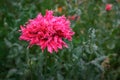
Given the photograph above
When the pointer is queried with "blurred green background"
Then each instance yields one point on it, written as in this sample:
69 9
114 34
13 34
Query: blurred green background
93 54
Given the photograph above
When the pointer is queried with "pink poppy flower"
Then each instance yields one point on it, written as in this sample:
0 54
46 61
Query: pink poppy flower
108 7
47 31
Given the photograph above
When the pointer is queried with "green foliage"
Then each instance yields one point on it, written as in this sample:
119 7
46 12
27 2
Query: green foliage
93 54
